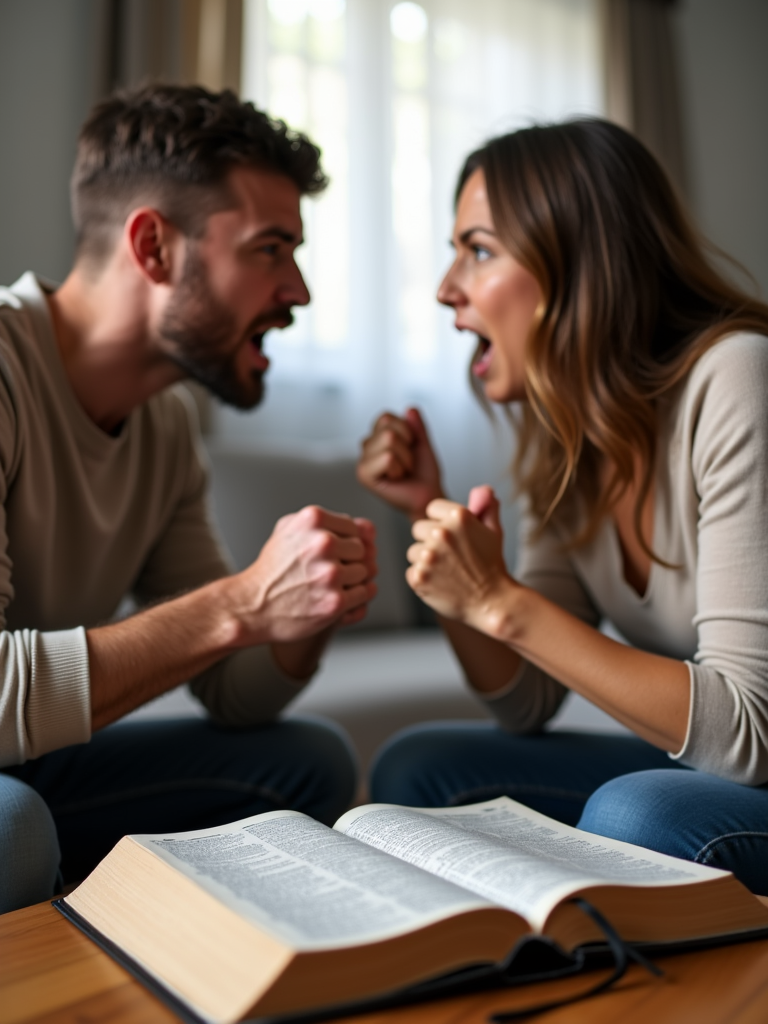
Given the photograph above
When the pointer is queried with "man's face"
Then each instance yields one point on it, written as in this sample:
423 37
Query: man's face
237 281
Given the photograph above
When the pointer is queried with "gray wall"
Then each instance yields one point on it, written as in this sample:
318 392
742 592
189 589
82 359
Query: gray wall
724 82
49 75
47 82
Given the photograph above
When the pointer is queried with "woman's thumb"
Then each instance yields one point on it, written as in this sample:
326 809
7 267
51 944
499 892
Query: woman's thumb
415 420
484 504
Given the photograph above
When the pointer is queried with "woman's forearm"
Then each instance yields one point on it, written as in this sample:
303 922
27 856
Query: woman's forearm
488 664
648 693
457 567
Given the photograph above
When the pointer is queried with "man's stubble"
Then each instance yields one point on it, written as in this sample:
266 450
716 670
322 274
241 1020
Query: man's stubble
198 332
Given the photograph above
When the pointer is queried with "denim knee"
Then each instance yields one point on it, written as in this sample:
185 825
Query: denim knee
399 767
29 846
627 808
687 814
330 764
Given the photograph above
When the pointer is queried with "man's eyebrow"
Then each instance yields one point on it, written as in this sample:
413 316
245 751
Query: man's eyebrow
273 231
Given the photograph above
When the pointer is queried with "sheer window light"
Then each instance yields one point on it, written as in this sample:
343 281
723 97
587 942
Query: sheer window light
396 95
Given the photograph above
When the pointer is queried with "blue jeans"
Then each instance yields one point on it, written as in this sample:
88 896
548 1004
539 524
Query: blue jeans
617 786
162 776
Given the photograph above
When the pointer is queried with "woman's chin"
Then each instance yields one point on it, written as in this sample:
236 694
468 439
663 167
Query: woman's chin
501 394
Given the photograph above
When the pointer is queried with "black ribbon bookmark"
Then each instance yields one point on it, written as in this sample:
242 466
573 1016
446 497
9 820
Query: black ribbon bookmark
622 954
533 961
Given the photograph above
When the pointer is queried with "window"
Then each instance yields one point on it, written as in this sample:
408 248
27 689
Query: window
396 94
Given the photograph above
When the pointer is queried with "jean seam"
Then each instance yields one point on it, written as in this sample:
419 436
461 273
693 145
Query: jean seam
519 790
707 852
161 789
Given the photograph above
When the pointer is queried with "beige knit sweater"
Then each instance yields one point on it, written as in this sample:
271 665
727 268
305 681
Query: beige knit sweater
86 518
711 518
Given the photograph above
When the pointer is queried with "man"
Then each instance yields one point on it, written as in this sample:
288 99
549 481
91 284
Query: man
186 205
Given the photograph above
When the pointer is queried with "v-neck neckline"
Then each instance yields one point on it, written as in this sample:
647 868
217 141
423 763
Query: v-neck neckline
618 550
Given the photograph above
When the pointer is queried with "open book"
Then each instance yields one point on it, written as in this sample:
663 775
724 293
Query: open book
277 913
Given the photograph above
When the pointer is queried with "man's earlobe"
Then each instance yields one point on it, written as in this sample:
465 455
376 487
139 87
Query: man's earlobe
147 234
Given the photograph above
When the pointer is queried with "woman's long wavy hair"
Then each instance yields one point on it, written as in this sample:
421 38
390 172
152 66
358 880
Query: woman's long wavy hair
630 302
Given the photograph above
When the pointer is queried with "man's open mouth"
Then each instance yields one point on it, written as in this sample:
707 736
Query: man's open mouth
259 361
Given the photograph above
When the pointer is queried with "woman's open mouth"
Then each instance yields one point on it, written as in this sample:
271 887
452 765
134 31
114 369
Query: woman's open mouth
482 357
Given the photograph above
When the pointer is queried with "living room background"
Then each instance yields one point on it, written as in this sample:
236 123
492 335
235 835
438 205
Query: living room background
58 56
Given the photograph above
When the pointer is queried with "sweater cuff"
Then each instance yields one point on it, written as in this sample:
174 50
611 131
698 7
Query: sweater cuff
58 711
507 688
726 735
247 688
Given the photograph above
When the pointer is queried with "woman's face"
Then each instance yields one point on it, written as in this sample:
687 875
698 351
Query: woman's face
493 295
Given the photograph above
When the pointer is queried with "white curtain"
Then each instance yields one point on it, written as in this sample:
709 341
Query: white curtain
397 94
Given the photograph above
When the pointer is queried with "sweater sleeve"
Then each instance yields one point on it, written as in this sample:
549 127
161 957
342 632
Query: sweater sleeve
247 687
726 434
45 699
533 697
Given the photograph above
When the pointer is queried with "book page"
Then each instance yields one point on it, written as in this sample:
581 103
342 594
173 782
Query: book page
512 855
309 886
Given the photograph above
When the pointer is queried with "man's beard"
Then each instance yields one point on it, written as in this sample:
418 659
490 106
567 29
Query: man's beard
201 331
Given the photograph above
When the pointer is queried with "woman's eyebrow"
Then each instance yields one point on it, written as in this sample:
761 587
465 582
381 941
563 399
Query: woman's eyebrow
465 236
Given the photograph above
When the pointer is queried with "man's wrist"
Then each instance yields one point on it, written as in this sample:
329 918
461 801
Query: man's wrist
240 619
229 627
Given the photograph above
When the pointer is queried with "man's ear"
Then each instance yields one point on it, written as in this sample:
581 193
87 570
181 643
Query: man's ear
149 237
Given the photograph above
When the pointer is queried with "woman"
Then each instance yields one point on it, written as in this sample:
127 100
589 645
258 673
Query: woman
643 462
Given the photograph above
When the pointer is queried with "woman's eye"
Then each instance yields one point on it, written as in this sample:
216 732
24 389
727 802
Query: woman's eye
481 253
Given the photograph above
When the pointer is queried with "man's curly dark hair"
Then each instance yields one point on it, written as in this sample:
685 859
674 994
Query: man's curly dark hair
172 146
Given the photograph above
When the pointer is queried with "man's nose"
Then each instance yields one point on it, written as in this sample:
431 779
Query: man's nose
293 290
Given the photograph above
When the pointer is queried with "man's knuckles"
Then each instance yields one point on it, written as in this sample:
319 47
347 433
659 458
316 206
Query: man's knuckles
332 604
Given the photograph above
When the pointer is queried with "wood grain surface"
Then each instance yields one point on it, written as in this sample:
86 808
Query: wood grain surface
51 974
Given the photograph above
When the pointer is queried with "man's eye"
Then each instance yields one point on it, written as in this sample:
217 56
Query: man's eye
269 250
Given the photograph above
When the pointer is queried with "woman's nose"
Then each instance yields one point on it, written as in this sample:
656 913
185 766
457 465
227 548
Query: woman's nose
449 293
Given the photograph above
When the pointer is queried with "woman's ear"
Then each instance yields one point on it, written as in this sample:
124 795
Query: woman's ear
148 236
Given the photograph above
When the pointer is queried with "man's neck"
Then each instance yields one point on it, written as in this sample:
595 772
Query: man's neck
102 328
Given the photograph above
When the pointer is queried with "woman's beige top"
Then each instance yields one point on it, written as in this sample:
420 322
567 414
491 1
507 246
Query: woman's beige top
711 519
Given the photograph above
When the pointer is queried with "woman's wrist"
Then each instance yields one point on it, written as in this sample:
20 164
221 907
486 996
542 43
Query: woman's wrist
503 613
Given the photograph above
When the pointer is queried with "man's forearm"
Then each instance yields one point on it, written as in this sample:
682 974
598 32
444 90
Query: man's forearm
314 572
132 661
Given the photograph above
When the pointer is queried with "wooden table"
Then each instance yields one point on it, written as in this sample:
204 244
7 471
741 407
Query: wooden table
51 974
